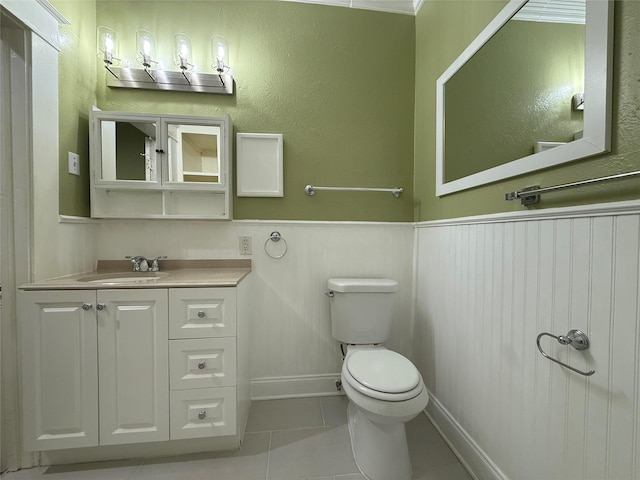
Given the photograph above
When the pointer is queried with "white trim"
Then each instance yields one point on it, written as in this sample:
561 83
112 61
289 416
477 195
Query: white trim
76 219
417 5
375 5
54 12
597 117
471 456
631 207
39 16
268 388
260 223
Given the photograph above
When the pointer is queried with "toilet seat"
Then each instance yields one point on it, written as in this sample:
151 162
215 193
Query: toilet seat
382 374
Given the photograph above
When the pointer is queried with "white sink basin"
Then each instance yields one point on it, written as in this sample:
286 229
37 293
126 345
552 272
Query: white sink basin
124 277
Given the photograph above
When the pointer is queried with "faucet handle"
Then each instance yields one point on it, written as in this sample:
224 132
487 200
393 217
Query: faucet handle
154 263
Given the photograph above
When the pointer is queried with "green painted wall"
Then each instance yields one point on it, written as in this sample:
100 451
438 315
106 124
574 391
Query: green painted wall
443 30
338 83
77 80
523 78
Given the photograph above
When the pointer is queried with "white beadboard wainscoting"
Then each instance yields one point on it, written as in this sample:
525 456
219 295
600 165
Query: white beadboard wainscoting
293 352
485 289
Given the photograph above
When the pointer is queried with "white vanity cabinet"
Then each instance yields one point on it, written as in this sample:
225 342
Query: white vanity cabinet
121 366
94 361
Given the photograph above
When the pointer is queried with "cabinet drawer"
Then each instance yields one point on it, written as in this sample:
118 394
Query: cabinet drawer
202 363
202 312
203 412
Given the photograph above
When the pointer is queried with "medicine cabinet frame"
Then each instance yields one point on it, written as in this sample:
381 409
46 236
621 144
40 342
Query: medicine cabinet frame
162 184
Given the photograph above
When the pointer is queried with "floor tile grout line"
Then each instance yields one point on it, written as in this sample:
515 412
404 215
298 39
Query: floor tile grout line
268 457
324 422
292 429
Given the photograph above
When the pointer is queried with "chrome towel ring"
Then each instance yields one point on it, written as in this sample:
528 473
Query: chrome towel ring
275 237
576 339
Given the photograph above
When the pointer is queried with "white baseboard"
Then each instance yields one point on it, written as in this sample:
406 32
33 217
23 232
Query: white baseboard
267 388
474 459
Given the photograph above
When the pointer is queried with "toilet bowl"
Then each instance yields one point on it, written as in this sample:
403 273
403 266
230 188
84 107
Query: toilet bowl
385 390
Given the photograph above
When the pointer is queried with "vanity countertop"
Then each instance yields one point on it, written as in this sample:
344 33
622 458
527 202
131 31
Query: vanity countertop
117 274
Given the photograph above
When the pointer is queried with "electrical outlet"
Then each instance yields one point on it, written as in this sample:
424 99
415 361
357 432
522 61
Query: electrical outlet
245 245
74 163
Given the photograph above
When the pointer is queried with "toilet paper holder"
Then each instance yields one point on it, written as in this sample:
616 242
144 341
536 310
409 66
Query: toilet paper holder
576 338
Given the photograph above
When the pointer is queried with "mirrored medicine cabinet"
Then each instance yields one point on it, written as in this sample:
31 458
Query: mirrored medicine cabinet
159 166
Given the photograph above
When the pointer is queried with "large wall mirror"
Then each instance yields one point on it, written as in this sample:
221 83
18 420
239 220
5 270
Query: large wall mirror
532 91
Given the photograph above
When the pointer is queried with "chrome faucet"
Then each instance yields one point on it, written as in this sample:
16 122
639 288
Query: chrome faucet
141 264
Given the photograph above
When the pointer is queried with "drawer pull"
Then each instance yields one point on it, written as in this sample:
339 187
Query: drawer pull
202 365
201 314
202 414
86 306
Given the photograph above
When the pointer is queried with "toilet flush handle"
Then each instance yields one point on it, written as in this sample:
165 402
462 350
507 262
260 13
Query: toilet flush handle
329 293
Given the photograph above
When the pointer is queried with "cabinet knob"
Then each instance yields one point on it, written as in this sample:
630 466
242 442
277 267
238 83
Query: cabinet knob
202 414
201 314
87 306
202 365
101 306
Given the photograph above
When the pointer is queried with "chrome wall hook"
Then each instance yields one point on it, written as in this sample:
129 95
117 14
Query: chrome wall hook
576 338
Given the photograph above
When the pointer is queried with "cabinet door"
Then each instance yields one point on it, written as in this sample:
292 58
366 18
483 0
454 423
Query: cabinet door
134 363
59 369
202 312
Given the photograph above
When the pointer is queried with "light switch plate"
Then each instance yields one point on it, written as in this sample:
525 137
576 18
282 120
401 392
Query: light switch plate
74 163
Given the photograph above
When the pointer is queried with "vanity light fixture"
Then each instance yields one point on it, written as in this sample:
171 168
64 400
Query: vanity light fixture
107 48
152 75
145 45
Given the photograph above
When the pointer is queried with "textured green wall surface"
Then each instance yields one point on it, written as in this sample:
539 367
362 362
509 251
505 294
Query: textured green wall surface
523 79
338 83
77 79
451 26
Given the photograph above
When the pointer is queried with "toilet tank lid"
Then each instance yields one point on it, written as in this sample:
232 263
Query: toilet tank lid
362 285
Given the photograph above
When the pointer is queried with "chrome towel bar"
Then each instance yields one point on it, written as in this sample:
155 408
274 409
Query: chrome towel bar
311 190
531 195
576 339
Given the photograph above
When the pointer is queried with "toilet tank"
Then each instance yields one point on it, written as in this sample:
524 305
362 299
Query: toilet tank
361 309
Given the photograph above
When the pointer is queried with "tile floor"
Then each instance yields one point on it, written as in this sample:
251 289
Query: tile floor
291 439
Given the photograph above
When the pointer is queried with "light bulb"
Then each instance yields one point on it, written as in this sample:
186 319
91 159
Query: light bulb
182 49
219 54
107 45
145 43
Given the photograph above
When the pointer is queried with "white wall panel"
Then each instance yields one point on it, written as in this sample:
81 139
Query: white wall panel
483 293
291 334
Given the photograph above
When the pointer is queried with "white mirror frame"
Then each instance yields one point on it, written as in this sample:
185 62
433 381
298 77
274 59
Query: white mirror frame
597 114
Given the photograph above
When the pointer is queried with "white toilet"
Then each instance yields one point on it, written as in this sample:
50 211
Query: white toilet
385 389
